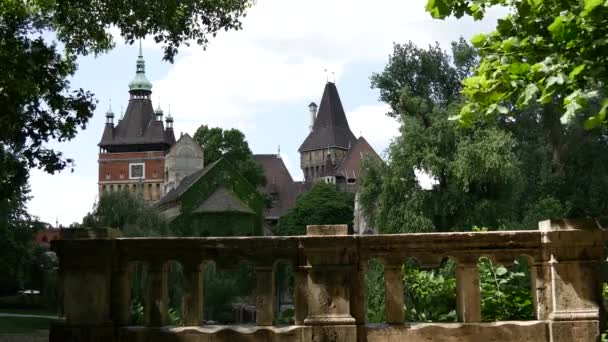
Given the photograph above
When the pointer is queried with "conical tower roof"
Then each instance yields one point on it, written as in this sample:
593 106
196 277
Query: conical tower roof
331 126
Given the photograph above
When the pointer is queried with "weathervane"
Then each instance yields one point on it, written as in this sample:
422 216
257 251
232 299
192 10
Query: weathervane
327 75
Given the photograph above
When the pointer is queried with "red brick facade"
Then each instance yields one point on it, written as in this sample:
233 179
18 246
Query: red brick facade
117 172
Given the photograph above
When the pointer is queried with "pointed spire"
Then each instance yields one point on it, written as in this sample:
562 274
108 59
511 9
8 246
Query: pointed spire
140 82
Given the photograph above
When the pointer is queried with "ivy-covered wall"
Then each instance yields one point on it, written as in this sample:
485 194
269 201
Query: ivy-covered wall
222 223
215 224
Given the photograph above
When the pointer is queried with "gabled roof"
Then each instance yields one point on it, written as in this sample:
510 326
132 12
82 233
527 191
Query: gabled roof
331 126
223 200
350 167
185 184
279 182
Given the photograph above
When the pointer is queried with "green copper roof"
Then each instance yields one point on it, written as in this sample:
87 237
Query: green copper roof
110 113
140 82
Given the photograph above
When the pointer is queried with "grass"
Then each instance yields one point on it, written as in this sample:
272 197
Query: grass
42 312
24 325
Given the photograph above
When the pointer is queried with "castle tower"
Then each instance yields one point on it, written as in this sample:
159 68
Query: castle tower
329 140
132 152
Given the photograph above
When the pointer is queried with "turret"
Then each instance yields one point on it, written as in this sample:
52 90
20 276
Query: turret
159 113
110 116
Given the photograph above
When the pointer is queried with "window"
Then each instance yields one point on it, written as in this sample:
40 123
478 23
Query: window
103 188
107 175
137 171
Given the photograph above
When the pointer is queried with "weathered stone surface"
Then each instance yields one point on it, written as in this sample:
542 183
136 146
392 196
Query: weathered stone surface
336 229
533 331
211 334
564 256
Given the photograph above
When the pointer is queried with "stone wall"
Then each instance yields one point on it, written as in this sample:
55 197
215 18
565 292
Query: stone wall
564 257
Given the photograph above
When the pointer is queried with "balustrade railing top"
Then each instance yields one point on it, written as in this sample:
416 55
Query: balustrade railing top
565 258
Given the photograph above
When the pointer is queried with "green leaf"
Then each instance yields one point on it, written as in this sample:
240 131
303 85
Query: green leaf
557 27
576 71
501 270
590 5
478 39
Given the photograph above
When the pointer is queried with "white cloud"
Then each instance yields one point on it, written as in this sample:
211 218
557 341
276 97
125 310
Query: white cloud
65 196
283 49
371 122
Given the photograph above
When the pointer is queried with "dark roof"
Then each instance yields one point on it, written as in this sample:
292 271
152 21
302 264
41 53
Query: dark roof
222 200
278 181
185 184
350 167
138 127
331 127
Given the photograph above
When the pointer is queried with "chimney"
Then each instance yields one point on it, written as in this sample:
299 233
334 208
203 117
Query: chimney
312 108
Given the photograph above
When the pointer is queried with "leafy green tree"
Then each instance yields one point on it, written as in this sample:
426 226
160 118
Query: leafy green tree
499 173
128 212
475 169
40 42
323 204
232 145
548 53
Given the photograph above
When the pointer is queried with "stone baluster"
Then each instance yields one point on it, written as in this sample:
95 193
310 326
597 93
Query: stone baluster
572 256
193 292
301 294
157 295
264 295
332 264
393 285
468 303
121 293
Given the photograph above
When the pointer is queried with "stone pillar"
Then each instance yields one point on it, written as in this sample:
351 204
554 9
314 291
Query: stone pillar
264 295
393 285
572 252
330 275
301 294
121 293
157 295
468 303
86 258
193 293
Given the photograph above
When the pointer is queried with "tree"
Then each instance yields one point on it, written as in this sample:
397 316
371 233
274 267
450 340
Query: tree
550 54
37 102
128 212
497 173
323 204
232 145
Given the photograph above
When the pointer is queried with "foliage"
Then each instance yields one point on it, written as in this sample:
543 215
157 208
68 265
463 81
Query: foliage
39 45
18 249
501 173
548 53
430 295
230 144
375 296
128 212
505 293
223 287
223 173
323 204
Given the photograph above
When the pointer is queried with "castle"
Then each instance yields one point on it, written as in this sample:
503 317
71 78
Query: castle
140 153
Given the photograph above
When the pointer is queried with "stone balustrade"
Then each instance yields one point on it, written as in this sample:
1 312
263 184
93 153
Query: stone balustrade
565 258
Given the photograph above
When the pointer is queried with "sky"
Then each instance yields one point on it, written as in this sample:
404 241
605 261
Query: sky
259 80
